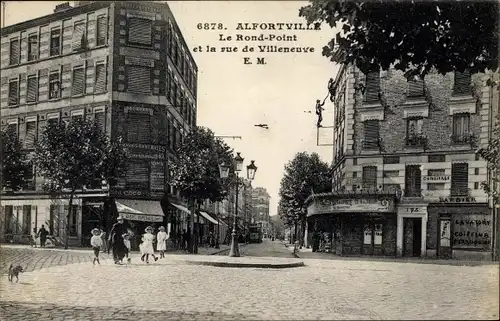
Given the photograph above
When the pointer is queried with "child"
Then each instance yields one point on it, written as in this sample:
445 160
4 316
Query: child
96 243
161 246
146 246
126 241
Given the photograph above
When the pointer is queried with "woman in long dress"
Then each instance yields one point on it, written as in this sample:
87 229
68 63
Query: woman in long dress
116 240
161 238
146 246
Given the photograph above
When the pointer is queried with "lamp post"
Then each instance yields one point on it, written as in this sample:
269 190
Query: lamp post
224 171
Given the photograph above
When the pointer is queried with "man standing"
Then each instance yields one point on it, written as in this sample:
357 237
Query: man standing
42 233
115 240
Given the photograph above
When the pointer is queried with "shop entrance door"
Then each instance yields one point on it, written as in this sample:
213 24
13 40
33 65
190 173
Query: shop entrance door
412 237
444 239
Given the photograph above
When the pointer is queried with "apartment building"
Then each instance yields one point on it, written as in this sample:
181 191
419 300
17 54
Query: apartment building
406 179
126 66
260 209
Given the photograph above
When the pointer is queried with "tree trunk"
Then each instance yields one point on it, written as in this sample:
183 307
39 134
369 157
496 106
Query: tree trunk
192 208
197 232
66 237
303 231
295 233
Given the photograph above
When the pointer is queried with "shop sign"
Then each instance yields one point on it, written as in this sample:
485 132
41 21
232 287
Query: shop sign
351 205
157 148
117 192
445 233
378 234
412 210
434 179
457 199
472 229
142 217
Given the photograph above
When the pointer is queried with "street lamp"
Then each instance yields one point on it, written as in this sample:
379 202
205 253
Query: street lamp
224 169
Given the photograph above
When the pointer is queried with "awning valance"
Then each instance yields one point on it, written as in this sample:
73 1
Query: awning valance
140 210
182 208
208 217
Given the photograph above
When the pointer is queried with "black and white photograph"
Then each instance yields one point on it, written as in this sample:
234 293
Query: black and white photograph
250 160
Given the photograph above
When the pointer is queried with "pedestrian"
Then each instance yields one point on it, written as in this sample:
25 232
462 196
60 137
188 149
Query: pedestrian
103 238
33 237
183 240
126 241
146 246
96 243
187 239
42 233
115 240
161 238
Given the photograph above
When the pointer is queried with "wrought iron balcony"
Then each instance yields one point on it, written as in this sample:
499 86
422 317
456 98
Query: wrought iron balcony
462 138
460 192
416 140
412 192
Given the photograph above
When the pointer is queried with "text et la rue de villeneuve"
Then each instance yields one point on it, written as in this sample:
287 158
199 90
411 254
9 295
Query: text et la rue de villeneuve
276 37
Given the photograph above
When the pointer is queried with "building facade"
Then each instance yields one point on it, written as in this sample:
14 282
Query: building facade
124 65
406 179
260 209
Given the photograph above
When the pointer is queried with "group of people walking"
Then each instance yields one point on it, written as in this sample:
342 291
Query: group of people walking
119 243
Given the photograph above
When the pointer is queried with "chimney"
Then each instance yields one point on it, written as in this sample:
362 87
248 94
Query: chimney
62 7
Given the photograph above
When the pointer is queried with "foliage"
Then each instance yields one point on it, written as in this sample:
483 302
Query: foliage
76 154
304 175
374 34
491 154
196 171
14 162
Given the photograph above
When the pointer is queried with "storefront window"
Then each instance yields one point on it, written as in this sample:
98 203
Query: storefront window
378 234
26 219
367 235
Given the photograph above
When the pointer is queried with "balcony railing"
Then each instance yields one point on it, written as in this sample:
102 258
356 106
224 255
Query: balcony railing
459 192
416 140
462 138
409 192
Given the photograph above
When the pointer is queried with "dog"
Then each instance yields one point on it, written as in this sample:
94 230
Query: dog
14 272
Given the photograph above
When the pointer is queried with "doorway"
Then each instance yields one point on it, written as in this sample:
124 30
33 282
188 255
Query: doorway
412 237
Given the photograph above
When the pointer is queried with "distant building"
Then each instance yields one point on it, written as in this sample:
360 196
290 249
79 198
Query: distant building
124 65
260 209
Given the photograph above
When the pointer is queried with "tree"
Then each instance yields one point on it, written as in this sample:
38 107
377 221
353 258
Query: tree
195 172
71 156
14 162
413 36
304 175
491 154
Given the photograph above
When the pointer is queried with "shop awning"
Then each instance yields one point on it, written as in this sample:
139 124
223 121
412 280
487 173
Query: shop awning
208 217
182 208
140 210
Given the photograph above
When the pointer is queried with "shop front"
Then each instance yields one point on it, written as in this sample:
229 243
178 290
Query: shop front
460 229
355 224
412 230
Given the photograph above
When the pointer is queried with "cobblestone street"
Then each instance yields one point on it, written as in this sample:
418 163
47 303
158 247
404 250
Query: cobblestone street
324 289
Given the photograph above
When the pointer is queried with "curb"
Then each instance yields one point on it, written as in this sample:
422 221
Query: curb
248 265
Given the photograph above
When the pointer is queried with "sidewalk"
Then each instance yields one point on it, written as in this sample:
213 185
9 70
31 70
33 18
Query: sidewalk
306 253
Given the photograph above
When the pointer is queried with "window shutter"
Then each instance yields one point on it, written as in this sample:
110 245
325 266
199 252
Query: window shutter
29 140
100 78
13 93
32 89
371 134
78 86
102 30
462 82
139 79
416 88
140 31
413 181
78 32
369 176
14 52
100 119
33 47
459 179
372 86
139 128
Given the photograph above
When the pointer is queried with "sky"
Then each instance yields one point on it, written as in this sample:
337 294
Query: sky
232 96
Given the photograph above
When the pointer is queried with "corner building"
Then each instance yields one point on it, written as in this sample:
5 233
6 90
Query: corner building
124 65
406 180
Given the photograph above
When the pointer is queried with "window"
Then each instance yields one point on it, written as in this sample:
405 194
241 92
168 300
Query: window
372 86
78 40
12 129
102 30
354 174
435 186
78 81
436 158
14 52
100 119
29 140
32 89
174 93
414 131
77 115
26 224
476 171
139 128
73 219
391 159
138 174
169 85
460 179
413 180
55 217
54 85
100 78
476 185
416 88
33 47
139 79
10 221
140 31
55 42
371 136
462 82
13 92
370 177
461 128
